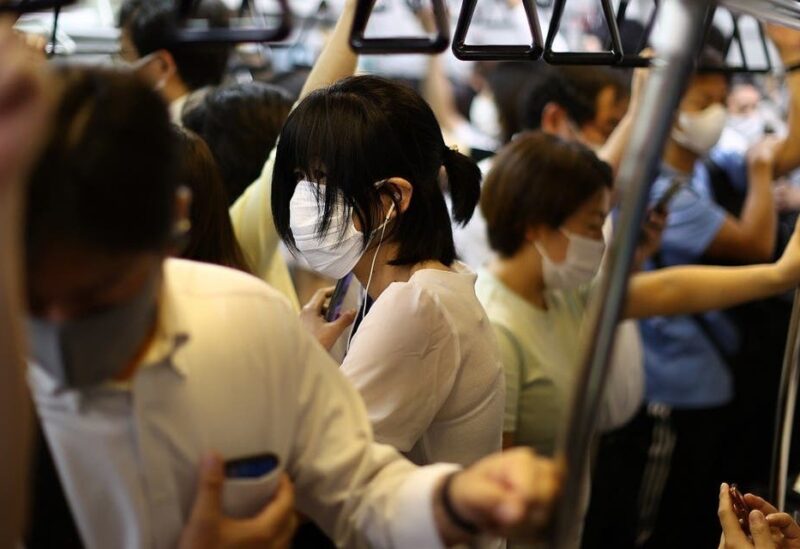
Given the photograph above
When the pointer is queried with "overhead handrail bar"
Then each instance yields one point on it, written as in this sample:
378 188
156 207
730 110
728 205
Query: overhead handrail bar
612 57
28 6
227 35
399 45
497 52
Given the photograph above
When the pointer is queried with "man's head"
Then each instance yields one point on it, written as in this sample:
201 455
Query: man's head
101 215
145 43
608 91
702 114
584 105
102 197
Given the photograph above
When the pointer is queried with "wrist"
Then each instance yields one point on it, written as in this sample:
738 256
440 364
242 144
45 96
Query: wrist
453 526
760 173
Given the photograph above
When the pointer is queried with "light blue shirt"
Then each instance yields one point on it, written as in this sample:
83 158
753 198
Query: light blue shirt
683 367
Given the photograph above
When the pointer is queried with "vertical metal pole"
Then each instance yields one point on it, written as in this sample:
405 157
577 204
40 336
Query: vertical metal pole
677 41
784 416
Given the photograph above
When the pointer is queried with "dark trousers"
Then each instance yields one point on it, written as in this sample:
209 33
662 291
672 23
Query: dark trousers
656 481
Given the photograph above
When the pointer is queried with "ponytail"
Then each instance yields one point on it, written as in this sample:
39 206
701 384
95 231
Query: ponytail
464 184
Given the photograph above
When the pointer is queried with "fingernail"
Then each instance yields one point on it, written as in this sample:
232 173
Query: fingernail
723 487
756 517
210 463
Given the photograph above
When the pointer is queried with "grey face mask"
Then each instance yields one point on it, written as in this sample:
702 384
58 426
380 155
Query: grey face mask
90 350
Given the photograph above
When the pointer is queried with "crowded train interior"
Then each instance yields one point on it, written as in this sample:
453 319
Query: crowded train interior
401 274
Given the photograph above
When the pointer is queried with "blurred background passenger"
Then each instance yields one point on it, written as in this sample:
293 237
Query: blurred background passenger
210 236
240 123
174 70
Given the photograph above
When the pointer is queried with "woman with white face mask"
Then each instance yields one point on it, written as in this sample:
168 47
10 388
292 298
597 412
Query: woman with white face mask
545 202
357 188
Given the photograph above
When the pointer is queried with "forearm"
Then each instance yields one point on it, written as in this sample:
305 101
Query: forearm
787 157
438 92
337 60
613 149
695 289
14 403
759 216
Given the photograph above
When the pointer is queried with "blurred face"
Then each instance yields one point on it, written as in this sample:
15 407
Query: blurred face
704 91
744 100
587 221
702 116
611 108
68 282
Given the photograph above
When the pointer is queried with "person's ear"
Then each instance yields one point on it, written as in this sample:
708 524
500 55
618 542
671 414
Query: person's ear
400 191
181 221
554 118
164 68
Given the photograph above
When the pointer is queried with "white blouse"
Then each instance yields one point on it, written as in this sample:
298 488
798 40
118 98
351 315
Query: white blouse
426 363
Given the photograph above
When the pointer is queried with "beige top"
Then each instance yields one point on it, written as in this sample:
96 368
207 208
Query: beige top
252 221
425 361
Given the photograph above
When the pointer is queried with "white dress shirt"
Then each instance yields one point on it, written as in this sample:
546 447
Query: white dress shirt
251 216
230 370
427 366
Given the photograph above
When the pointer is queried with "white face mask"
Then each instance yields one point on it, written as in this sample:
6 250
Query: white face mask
334 253
584 257
750 126
484 116
337 251
700 131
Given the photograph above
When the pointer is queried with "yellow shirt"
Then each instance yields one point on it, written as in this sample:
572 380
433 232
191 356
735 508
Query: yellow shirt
252 221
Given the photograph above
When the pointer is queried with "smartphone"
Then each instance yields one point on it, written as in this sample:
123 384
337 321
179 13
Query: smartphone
663 203
741 508
251 467
250 483
335 304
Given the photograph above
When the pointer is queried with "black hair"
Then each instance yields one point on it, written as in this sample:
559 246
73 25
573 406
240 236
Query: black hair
211 238
241 124
538 179
106 177
362 131
507 81
589 82
554 87
151 24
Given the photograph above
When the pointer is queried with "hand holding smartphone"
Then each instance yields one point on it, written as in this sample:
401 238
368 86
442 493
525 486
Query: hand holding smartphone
334 308
741 508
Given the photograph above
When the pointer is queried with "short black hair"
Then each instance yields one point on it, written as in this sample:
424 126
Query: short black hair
538 179
106 177
590 81
507 81
364 130
211 238
241 124
151 24
554 87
